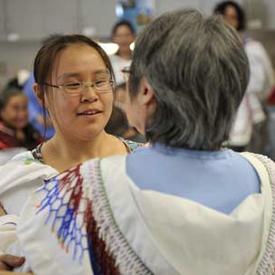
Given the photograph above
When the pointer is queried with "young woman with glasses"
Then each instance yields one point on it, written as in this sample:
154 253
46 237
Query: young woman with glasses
74 82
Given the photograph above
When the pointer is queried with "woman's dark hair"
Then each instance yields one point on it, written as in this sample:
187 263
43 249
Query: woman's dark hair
198 70
13 84
222 6
46 56
123 23
7 94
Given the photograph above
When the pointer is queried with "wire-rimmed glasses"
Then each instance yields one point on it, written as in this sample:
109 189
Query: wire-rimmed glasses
102 84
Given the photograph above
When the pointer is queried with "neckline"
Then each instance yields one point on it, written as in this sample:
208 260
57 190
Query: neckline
190 153
37 154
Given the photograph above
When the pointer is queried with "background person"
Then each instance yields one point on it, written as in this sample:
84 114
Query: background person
123 34
249 131
15 131
38 118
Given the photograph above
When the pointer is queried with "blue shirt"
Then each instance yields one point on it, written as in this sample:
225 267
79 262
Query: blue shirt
220 180
35 109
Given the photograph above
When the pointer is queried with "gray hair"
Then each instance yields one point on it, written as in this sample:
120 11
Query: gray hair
198 70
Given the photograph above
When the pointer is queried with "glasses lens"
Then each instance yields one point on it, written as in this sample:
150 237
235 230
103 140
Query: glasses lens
103 85
73 88
102 82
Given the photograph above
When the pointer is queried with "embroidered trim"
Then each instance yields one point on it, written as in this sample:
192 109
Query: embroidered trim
267 264
81 216
68 210
126 259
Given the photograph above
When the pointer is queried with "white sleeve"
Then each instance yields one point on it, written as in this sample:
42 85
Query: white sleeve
261 71
18 179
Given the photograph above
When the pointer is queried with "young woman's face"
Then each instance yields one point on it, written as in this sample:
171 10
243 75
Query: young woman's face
15 113
85 115
231 17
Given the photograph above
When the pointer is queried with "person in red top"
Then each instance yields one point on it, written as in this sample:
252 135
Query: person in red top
271 99
15 131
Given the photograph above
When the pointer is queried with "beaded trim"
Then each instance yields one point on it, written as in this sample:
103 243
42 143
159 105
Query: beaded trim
126 259
68 210
267 264
80 215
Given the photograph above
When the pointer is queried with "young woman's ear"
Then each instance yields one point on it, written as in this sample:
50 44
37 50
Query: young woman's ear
38 92
40 95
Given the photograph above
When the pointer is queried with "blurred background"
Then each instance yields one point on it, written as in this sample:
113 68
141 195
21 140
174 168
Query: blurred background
24 23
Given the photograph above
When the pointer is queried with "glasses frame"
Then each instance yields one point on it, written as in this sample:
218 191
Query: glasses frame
88 84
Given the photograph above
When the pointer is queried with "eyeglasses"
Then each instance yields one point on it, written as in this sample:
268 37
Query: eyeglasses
104 84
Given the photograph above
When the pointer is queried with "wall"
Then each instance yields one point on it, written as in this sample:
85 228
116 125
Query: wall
263 10
15 56
35 19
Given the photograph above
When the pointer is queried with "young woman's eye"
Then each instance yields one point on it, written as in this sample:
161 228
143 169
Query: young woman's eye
72 86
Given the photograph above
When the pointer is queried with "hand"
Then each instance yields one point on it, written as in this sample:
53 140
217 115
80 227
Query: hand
8 262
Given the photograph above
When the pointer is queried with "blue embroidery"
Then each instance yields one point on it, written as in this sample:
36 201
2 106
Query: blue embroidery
68 211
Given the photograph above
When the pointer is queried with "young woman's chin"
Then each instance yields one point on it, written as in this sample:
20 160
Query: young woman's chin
89 133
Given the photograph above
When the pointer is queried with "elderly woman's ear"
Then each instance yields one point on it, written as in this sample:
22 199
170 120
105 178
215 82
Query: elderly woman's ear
146 95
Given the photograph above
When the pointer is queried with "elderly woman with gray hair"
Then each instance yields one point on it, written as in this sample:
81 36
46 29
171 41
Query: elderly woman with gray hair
183 205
